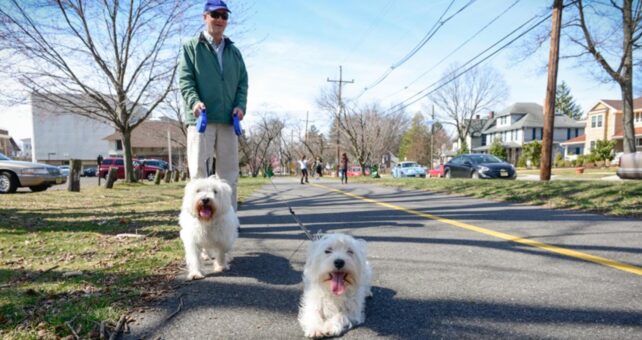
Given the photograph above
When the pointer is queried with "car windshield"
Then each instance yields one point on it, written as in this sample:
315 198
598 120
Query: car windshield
4 158
409 165
483 159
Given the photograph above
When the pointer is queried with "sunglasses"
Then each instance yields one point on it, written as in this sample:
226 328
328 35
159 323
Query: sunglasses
217 15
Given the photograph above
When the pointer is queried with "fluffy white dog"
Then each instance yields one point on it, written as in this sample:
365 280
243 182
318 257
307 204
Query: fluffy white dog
208 224
337 281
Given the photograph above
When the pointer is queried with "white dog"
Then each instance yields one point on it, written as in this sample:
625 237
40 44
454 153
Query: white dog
337 281
208 224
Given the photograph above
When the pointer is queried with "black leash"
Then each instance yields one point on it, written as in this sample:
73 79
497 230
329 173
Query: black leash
303 228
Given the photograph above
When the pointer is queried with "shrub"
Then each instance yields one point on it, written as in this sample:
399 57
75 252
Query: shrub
497 149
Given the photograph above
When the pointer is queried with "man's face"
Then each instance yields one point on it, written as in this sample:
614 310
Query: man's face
216 26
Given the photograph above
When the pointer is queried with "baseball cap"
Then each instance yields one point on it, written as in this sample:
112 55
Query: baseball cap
213 5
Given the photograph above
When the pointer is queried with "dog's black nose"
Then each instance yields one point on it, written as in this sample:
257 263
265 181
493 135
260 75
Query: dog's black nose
339 263
205 200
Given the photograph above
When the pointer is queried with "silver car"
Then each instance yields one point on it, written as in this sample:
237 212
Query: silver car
36 176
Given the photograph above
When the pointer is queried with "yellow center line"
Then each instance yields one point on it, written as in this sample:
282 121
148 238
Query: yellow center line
553 249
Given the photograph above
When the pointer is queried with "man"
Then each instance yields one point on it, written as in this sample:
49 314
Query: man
212 77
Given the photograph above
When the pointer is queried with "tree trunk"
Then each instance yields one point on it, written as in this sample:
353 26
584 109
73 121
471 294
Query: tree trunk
73 180
130 176
157 177
112 175
627 79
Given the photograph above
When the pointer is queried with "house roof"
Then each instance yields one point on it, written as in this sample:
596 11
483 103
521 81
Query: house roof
619 134
153 134
617 104
577 140
532 116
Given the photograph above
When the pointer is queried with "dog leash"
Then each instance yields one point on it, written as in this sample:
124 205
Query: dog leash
296 218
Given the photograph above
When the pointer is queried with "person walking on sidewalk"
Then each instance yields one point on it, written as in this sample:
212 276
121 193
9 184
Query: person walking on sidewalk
303 164
213 80
343 168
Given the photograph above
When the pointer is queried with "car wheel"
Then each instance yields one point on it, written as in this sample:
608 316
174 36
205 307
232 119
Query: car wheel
39 188
447 174
8 183
150 176
474 175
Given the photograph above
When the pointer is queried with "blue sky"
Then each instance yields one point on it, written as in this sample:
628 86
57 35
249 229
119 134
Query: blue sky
292 47
302 43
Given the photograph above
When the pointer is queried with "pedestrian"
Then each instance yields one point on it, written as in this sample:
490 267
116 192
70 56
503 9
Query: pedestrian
213 79
343 168
318 167
303 164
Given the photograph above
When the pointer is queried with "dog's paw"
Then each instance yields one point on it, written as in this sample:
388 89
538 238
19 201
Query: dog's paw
195 276
314 333
219 268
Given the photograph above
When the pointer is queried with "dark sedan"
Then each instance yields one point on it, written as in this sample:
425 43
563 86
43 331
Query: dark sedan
479 166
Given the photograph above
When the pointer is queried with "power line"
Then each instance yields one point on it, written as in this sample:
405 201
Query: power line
402 106
431 33
457 48
367 30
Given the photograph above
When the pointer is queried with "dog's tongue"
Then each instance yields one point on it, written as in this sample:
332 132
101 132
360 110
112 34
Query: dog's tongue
338 286
205 212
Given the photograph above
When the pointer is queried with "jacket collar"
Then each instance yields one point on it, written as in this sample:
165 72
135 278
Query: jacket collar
202 39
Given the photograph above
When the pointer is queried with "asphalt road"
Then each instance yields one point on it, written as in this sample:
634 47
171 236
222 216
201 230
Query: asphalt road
444 267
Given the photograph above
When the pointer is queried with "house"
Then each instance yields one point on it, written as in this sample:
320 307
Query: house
605 122
7 145
523 123
573 147
151 139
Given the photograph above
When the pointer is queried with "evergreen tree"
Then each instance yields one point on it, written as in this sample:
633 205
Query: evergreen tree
415 142
565 103
497 149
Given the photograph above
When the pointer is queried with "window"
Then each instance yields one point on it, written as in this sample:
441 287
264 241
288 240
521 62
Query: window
119 161
577 151
599 121
534 134
638 117
639 142
577 132
592 146
593 120
568 133
119 144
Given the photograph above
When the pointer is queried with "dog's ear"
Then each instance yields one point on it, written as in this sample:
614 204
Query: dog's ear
362 244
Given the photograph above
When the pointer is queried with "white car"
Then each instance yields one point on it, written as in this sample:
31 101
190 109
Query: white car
408 169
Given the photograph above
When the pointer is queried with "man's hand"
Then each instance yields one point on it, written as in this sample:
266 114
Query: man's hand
198 107
238 112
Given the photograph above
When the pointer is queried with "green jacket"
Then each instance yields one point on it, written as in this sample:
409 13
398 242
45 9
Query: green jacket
200 79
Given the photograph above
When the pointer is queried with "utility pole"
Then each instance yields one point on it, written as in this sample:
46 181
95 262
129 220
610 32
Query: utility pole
551 86
341 82
432 134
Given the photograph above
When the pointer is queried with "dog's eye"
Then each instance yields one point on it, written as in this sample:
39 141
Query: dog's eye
328 251
350 252
215 192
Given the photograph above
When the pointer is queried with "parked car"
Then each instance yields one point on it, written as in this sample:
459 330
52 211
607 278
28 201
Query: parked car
88 172
436 172
149 167
114 162
479 166
36 176
64 170
630 166
408 169
355 171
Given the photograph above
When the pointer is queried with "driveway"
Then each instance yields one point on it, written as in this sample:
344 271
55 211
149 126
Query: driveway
444 267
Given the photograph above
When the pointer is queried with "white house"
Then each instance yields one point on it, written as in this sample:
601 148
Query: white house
522 123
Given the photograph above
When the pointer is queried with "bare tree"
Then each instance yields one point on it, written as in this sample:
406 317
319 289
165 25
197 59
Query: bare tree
261 142
117 58
588 31
608 33
478 90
